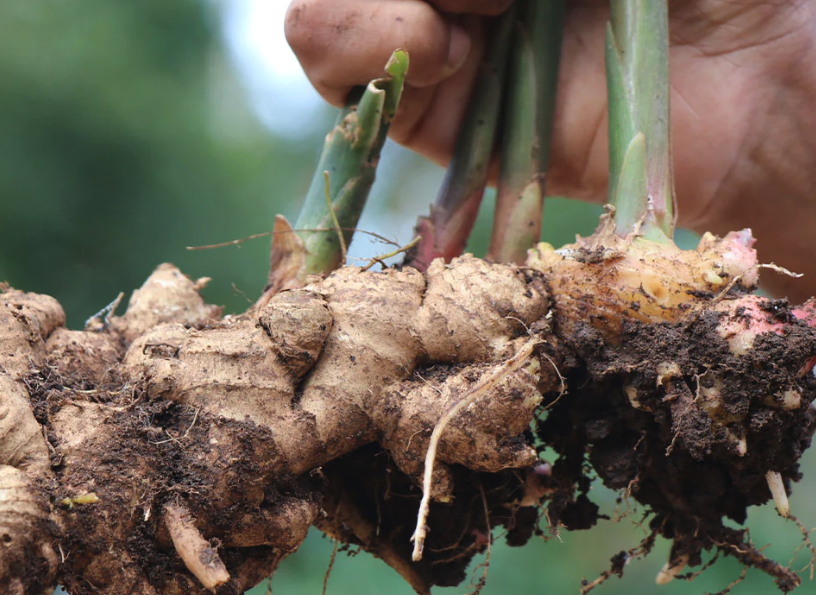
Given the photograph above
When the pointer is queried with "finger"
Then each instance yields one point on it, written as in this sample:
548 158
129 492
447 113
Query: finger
342 43
429 119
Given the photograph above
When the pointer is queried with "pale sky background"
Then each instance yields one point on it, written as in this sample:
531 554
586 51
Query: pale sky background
280 92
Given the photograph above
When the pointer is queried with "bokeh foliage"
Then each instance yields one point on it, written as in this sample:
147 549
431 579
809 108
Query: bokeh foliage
125 136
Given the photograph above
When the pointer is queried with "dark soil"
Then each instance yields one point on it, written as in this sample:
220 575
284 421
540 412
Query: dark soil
388 501
671 453
153 452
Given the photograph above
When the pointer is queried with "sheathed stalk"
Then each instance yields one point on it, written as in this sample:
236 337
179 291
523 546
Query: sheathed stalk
527 126
445 232
640 165
349 162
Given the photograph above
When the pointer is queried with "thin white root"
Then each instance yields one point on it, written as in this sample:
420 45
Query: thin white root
777 488
485 384
198 555
669 571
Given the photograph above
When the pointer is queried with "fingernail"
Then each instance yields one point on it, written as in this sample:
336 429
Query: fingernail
458 50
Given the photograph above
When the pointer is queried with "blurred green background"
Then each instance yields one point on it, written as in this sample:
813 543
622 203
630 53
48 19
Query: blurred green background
131 130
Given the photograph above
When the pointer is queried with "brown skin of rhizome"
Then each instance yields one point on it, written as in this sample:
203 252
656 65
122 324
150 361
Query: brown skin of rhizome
175 451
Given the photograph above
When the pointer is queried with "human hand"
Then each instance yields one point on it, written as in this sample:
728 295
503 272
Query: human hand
743 81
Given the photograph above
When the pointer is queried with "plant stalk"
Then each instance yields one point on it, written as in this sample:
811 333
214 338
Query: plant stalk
527 129
445 232
350 156
641 183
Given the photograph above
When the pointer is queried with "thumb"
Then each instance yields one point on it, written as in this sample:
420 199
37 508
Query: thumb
342 43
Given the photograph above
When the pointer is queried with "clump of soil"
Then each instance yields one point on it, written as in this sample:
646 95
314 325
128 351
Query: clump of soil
372 504
670 413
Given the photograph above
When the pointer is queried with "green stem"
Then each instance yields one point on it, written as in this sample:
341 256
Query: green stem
350 156
641 184
446 231
527 129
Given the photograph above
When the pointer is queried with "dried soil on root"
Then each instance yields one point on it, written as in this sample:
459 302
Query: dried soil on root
671 414
141 455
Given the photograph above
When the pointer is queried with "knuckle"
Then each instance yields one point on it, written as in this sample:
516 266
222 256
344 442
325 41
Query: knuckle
424 35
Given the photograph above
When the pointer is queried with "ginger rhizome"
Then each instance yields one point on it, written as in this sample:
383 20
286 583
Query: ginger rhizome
179 421
172 450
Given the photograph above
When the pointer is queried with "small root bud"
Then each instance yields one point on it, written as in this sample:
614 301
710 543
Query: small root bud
741 446
670 570
70 502
198 555
780 497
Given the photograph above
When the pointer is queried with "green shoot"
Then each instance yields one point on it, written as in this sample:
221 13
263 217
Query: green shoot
333 215
640 169
527 129
347 168
446 231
